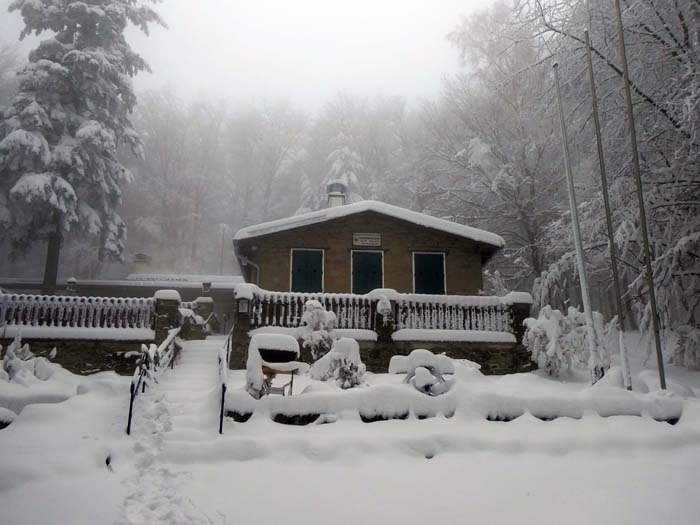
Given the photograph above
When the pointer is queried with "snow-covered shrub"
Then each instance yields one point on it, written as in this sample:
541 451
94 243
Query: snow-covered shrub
558 342
316 329
687 350
342 364
20 365
384 308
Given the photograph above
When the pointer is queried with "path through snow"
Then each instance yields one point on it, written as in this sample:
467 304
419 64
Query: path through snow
182 407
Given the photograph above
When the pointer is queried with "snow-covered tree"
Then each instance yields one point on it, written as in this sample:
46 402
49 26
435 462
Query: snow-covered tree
59 169
558 342
345 165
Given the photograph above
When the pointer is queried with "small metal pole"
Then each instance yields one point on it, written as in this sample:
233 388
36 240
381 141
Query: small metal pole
608 219
221 414
131 408
640 197
595 365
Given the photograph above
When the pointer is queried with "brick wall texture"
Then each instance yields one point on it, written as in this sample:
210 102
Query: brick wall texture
399 240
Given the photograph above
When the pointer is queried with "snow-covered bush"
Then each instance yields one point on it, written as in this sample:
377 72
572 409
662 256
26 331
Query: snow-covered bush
316 329
20 365
384 308
557 341
687 350
342 364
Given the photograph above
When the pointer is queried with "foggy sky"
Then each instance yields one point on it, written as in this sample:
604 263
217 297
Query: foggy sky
304 50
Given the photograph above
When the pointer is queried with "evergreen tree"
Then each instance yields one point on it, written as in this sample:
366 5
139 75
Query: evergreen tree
345 165
59 170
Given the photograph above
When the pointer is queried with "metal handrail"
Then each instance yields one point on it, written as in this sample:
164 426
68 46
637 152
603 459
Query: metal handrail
152 361
224 359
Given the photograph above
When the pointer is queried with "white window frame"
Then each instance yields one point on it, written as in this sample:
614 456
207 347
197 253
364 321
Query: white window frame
352 265
444 268
323 266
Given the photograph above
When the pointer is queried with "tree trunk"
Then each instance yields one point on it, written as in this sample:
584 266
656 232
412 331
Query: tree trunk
52 255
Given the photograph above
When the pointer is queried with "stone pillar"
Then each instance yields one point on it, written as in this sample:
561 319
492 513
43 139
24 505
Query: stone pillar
242 317
519 312
167 305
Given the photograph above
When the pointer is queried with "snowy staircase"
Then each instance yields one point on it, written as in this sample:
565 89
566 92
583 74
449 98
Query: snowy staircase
178 414
192 391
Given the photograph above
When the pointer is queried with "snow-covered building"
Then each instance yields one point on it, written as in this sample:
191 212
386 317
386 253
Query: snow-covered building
359 247
395 280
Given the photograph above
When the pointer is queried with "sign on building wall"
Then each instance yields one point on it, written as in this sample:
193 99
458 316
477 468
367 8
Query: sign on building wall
366 239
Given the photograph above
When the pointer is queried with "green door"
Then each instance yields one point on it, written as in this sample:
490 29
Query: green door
367 272
429 273
307 271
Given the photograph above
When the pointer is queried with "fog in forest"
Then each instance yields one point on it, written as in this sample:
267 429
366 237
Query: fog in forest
446 108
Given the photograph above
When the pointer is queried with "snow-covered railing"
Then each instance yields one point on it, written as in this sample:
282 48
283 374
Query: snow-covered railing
224 359
75 312
409 311
453 313
151 362
286 308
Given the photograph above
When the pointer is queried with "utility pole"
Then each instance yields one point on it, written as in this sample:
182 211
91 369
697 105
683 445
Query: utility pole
627 377
640 197
595 365
222 227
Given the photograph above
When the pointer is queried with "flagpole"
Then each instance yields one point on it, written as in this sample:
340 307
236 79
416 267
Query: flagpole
606 199
640 197
595 365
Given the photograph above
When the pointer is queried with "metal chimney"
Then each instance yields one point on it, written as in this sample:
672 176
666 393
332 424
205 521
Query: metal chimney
337 193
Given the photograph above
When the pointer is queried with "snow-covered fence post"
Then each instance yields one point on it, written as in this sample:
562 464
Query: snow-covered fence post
167 303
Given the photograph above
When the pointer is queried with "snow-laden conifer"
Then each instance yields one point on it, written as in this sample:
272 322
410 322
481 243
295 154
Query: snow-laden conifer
59 168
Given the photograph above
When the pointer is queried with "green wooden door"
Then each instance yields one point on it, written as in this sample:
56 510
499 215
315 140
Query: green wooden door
307 271
367 271
429 273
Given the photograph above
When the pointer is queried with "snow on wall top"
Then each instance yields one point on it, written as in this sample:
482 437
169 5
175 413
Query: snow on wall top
382 208
184 278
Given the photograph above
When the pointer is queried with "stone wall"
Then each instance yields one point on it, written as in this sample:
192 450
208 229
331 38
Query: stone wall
494 358
85 356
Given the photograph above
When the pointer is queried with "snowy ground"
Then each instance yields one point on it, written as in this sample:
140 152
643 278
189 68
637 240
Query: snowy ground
176 469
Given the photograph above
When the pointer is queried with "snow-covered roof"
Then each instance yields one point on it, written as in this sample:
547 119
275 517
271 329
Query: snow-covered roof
420 219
